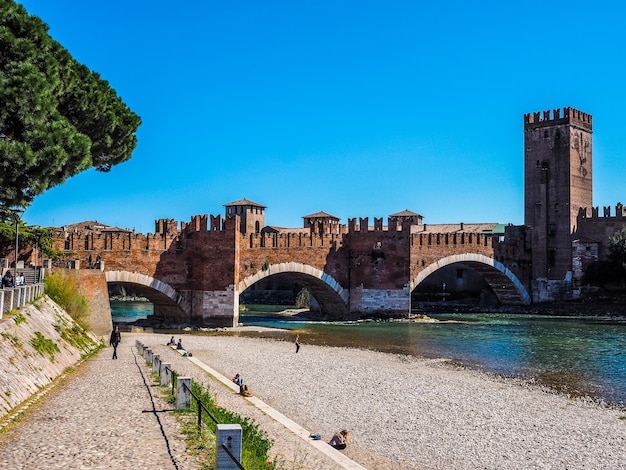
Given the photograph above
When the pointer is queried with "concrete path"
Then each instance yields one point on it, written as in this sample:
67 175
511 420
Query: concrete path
101 416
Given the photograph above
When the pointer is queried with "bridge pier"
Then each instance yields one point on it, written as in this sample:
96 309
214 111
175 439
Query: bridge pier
214 308
396 301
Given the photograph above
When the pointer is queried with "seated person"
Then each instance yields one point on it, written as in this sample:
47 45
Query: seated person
243 388
180 344
340 439
172 342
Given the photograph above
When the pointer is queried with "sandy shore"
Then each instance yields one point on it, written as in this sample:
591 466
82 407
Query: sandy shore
410 413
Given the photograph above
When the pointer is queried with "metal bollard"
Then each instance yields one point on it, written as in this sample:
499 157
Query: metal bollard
229 436
166 373
183 393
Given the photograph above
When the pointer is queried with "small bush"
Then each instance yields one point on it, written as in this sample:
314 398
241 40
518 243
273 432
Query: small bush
63 289
44 346
255 445
303 299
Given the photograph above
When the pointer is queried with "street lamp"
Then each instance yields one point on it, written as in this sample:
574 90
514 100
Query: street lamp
16 213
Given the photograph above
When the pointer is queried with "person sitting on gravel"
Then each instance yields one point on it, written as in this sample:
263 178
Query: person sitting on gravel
340 440
243 388
172 342
180 344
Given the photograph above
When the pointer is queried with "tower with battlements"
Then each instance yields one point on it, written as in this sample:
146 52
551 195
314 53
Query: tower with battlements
557 183
252 215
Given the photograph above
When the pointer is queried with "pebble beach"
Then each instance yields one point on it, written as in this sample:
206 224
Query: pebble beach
405 412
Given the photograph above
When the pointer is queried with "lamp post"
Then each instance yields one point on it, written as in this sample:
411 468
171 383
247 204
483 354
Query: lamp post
444 291
16 213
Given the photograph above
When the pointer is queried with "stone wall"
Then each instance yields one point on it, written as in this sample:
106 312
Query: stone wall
24 371
92 285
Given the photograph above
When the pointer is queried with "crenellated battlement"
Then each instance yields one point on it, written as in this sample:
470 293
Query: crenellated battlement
393 225
594 213
547 118
469 239
293 240
163 226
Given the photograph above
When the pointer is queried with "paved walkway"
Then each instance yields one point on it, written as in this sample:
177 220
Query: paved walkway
109 414
101 416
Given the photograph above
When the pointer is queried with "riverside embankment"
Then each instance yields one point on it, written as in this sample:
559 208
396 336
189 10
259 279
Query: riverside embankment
406 412
38 344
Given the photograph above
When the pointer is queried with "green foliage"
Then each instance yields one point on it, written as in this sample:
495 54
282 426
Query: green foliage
617 247
57 117
75 335
63 289
303 299
13 338
44 346
19 318
256 444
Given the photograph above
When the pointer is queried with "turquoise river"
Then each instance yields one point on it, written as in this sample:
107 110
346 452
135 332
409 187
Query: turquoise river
580 356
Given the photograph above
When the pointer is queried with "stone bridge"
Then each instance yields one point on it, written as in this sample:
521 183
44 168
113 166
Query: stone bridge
196 273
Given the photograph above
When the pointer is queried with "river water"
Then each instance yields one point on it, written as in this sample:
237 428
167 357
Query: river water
580 356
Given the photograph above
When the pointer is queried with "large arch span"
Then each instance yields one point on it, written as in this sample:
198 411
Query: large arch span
168 302
332 298
506 286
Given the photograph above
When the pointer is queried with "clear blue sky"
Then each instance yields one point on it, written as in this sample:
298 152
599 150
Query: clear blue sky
357 108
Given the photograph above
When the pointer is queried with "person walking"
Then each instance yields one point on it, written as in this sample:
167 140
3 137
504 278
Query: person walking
297 343
116 338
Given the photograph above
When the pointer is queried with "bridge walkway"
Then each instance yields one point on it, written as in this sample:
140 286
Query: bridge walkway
101 416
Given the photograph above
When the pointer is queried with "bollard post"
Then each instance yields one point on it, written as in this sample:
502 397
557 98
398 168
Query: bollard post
166 376
183 393
156 363
229 436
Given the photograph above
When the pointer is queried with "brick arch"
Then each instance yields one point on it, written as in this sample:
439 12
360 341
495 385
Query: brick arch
332 298
158 292
506 286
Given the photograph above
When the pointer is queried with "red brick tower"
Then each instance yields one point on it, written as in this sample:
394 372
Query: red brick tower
557 182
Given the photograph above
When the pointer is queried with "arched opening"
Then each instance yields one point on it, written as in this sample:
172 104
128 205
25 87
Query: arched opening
135 297
469 280
280 285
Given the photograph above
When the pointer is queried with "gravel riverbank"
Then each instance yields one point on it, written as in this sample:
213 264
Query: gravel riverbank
410 413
